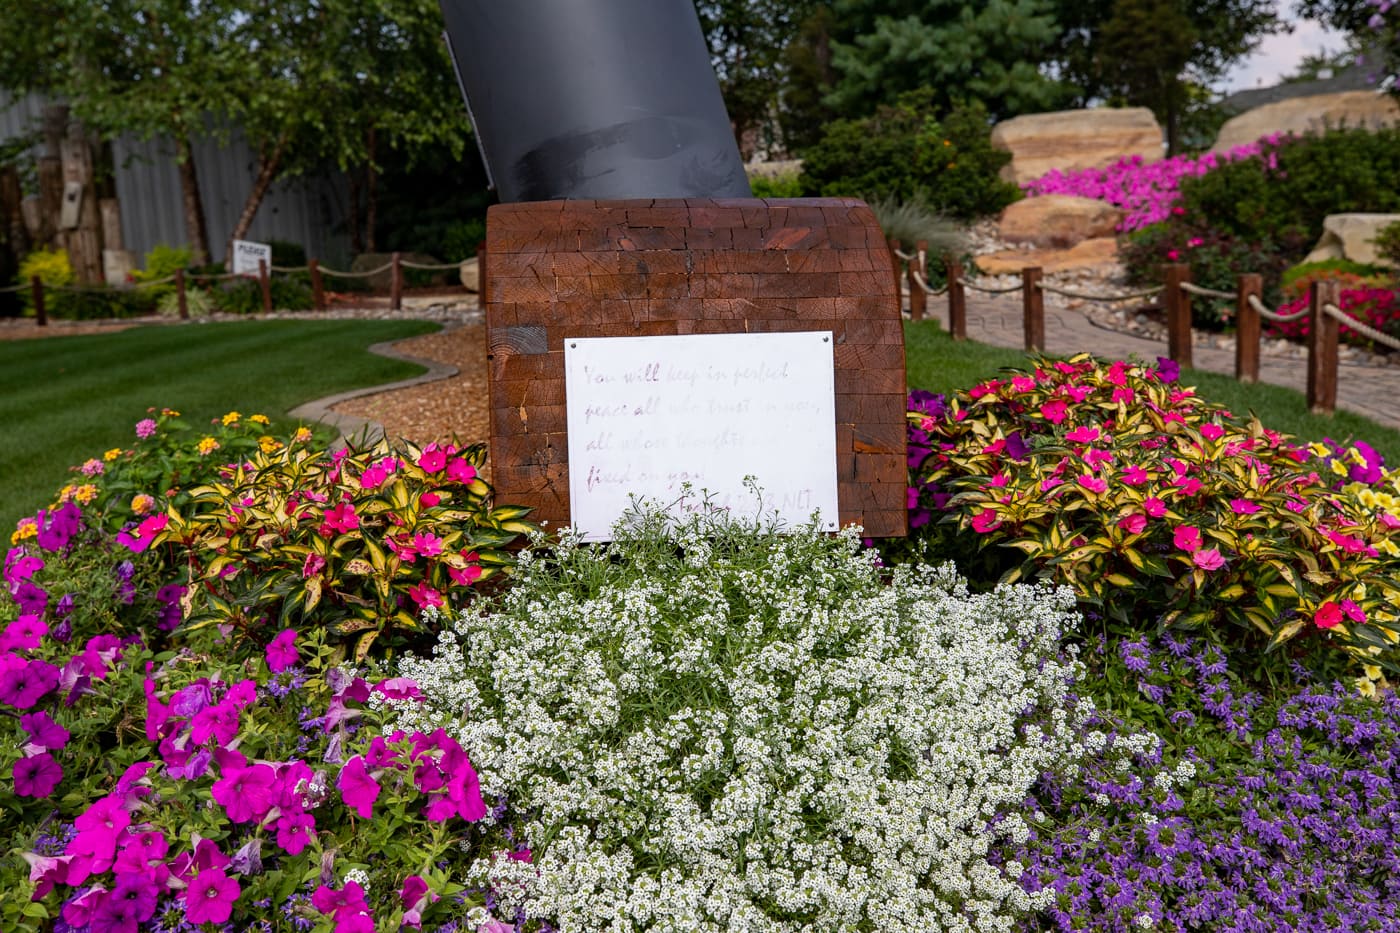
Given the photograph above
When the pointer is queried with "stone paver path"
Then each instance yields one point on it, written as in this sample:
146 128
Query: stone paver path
997 320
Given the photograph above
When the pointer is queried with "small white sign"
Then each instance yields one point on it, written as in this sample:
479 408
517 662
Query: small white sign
647 415
246 254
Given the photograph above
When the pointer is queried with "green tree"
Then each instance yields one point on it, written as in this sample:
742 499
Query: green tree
148 67
1374 27
1160 54
990 53
748 40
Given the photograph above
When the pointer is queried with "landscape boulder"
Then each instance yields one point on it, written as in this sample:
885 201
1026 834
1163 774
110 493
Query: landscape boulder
1058 220
1315 113
1352 236
1098 255
1071 140
470 274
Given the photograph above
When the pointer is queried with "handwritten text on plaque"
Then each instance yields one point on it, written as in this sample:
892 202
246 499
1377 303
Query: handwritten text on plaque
647 415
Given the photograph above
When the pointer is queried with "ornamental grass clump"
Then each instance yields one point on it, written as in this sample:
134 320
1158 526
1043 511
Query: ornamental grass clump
717 727
1161 510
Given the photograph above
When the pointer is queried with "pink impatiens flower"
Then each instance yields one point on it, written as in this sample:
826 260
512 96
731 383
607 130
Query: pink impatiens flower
342 518
1208 559
1243 506
1092 483
985 521
1083 435
1054 411
1328 615
1154 506
1187 537
424 595
433 459
1133 524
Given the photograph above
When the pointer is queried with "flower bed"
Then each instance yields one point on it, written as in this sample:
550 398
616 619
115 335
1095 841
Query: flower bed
711 725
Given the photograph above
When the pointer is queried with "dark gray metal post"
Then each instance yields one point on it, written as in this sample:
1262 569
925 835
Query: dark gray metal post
600 99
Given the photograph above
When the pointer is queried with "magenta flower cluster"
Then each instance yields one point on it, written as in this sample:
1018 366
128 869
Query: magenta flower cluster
1147 191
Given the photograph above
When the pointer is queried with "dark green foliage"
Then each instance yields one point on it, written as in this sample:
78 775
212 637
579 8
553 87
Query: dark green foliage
776 186
1388 243
287 253
904 153
1297 183
98 302
244 295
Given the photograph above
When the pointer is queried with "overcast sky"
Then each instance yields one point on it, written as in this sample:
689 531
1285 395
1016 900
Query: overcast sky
1279 55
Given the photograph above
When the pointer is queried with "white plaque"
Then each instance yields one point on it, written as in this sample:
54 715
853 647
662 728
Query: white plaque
647 415
246 254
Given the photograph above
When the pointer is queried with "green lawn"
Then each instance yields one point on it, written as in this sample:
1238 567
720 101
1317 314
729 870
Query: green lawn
938 363
64 399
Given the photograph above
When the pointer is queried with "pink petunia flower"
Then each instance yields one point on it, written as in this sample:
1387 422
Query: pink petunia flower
358 788
282 652
210 897
245 794
43 731
37 775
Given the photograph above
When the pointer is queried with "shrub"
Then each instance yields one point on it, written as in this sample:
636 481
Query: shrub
1296 280
903 153
1388 244
358 542
1378 307
287 254
717 727
1295 183
290 292
785 185
1162 510
460 239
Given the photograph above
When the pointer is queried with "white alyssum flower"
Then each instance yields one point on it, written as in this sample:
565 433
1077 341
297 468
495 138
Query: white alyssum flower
721 728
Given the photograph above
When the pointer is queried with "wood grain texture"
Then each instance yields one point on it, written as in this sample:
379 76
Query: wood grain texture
692 266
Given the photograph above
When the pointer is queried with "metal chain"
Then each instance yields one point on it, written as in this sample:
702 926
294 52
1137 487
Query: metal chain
1363 329
1205 292
1071 294
990 291
1268 315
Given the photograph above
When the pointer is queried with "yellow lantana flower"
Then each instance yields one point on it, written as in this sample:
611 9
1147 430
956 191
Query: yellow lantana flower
269 444
207 446
142 503
302 436
25 528
85 493
112 454
259 419
231 418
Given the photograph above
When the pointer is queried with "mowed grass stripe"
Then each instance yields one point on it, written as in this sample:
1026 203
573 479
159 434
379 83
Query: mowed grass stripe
68 398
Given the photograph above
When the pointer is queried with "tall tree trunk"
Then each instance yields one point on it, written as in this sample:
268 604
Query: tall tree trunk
268 164
192 202
357 235
371 192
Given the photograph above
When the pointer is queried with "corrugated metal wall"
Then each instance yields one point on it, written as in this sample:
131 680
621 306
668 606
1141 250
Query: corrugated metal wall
301 210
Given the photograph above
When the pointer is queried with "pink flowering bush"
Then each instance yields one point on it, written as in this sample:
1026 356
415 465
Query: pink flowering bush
358 542
1161 509
1146 191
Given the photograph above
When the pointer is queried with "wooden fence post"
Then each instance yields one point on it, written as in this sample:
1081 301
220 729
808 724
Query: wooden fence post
483 293
1177 302
898 286
957 298
1247 327
918 301
36 288
265 281
1322 349
181 301
396 283
318 287
1033 299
